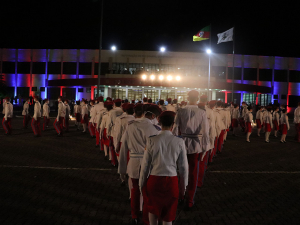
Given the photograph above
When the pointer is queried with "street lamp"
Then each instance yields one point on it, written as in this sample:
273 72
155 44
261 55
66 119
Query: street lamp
208 51
162 49
178 78
169 78
114 48
144 77
152 77
161 77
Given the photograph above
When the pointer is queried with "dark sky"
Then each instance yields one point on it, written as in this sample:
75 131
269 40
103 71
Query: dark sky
261 29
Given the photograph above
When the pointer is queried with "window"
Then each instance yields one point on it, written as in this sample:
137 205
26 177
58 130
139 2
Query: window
165 94
53 93
294 76
181 96
69 93
38 67
220 96
237 73
280 75
96 92
218 72
34 89
283 97
249 98
293 100
135 94
118 93
85 68
264 99
8 67
250 73
54 67
24 67
80 89
265 75
69 68
275 96
88 90
104 68
153 94
42 89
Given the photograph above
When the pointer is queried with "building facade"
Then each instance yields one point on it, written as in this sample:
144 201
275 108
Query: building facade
72 73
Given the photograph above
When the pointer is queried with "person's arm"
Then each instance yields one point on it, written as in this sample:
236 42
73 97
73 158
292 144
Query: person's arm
270 119
123 156
183 168
204 127
35 111
146 164
6 111
250 117
287 122
117 133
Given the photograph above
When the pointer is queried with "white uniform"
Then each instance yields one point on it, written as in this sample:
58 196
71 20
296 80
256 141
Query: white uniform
228 117
77 109
222 123
3 104
235 114
276 117
113 114
61 110
297 115
8 113
46 110
170 107
92 114
99 108
84 111
134 140
99 116
244 111
37 110
191 122
284 120
120 127
268 118
248 117
25 111
211 117
104 123
163 108
164 153
259 116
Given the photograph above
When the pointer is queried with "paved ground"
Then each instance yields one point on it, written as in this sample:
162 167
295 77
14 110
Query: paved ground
51 180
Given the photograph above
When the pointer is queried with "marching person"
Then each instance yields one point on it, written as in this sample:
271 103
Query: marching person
234 119
84 115
77 114
134 140
103 130
8 115
99 110
228 119
149 101
145 100
242 116
36 119
46 114
170 107
275 121
25 113
162 105
59 121
67 116
221 124
190 122
285 126
268 124
248 121
297 122
259 120
92 119
164 153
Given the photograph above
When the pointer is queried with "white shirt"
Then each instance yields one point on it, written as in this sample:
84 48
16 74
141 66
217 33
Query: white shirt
259 116
134 140
77 109
268 118
92 114
61 110
297 115
25 111
191 122
228 117
99 116
68 110
84 111
219 122
248 117
120 127
113 114
98 108
170 107
37 110
235 113
276 117
8 113
103 123
164 154
211 117
3 104
46 110
244 111
285 120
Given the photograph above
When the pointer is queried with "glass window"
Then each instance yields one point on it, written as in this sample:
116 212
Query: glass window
275 96
135 94
181 96
165 94
283 97
85 69
34 89
42 89
24 67
8 67
218 72
23 91
264 99
88 90
294 76
118 93
38 67
265 75
104 68
54 67
101 92
250 73
293 100
80 89
237 73
69 68
249 98
220 96
280 75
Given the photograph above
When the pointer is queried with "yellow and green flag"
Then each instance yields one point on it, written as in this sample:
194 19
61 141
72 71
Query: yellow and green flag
203 34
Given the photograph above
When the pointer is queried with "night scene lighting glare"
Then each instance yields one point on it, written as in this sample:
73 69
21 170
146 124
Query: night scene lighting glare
162 49
114 48
144 77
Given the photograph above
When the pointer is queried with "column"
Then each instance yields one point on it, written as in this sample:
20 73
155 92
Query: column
16 73
77 63
31 55
105 92
92 92
257 74
213 95
126 93
77 98
159 93
273 72
46 74
242 77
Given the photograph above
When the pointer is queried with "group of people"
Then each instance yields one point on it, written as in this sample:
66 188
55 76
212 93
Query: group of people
162 151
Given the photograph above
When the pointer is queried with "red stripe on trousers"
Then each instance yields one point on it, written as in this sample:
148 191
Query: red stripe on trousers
7 125
213 151
46 122
59 125
36 126
193 160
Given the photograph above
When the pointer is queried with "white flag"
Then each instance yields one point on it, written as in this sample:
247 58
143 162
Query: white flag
225 36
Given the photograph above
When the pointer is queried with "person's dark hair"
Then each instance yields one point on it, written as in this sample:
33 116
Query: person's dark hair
126 100
169 101
109 107
138 110
145 107
175 101
249 108
118 104
150 100
166 121
77 102
130 111
161 102
284 111
219 104
235 105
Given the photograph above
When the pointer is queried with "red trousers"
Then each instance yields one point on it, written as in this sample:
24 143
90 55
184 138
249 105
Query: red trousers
135 201
92 129
7 125
114 160
46 122
298 131
97 137
66 123
193 160
202 168
220 141
26 121
36 126
59 125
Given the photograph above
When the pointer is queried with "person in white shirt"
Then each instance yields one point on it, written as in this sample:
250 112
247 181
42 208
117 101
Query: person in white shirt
242 116
215 126
84 116
170 107
67 116
222 124
268 124
77 114
145 100
8 115
297 122
162 105
234 119
36 119
285 126
276 121
92 119
259 120
164 153
59 121
46 113
228 119
190 123
25 113
248 121
99 110
134 140
103 130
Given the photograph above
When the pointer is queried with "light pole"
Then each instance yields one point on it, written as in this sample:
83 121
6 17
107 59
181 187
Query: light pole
208 51
100 47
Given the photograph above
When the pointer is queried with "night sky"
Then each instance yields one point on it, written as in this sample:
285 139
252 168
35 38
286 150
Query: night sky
261 29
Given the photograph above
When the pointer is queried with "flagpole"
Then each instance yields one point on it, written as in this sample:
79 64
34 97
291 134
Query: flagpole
233 65
208 80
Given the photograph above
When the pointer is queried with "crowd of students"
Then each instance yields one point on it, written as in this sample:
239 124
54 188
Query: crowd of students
161 151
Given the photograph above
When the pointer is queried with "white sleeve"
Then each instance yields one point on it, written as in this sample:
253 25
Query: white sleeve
287 122
182 165
6 112
35 111
117 133
123 155
145 166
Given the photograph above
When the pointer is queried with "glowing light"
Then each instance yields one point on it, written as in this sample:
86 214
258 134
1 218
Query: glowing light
152 77
144 77
178 78
169 78
114 48
208 51
162 49
161 77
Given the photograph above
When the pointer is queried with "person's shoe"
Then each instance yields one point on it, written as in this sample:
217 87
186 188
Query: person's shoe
248 141
134 221
281 141
275 136
47 126
284 141
59 135
267 141
84 131
122 183
106 157
258 135
97 146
